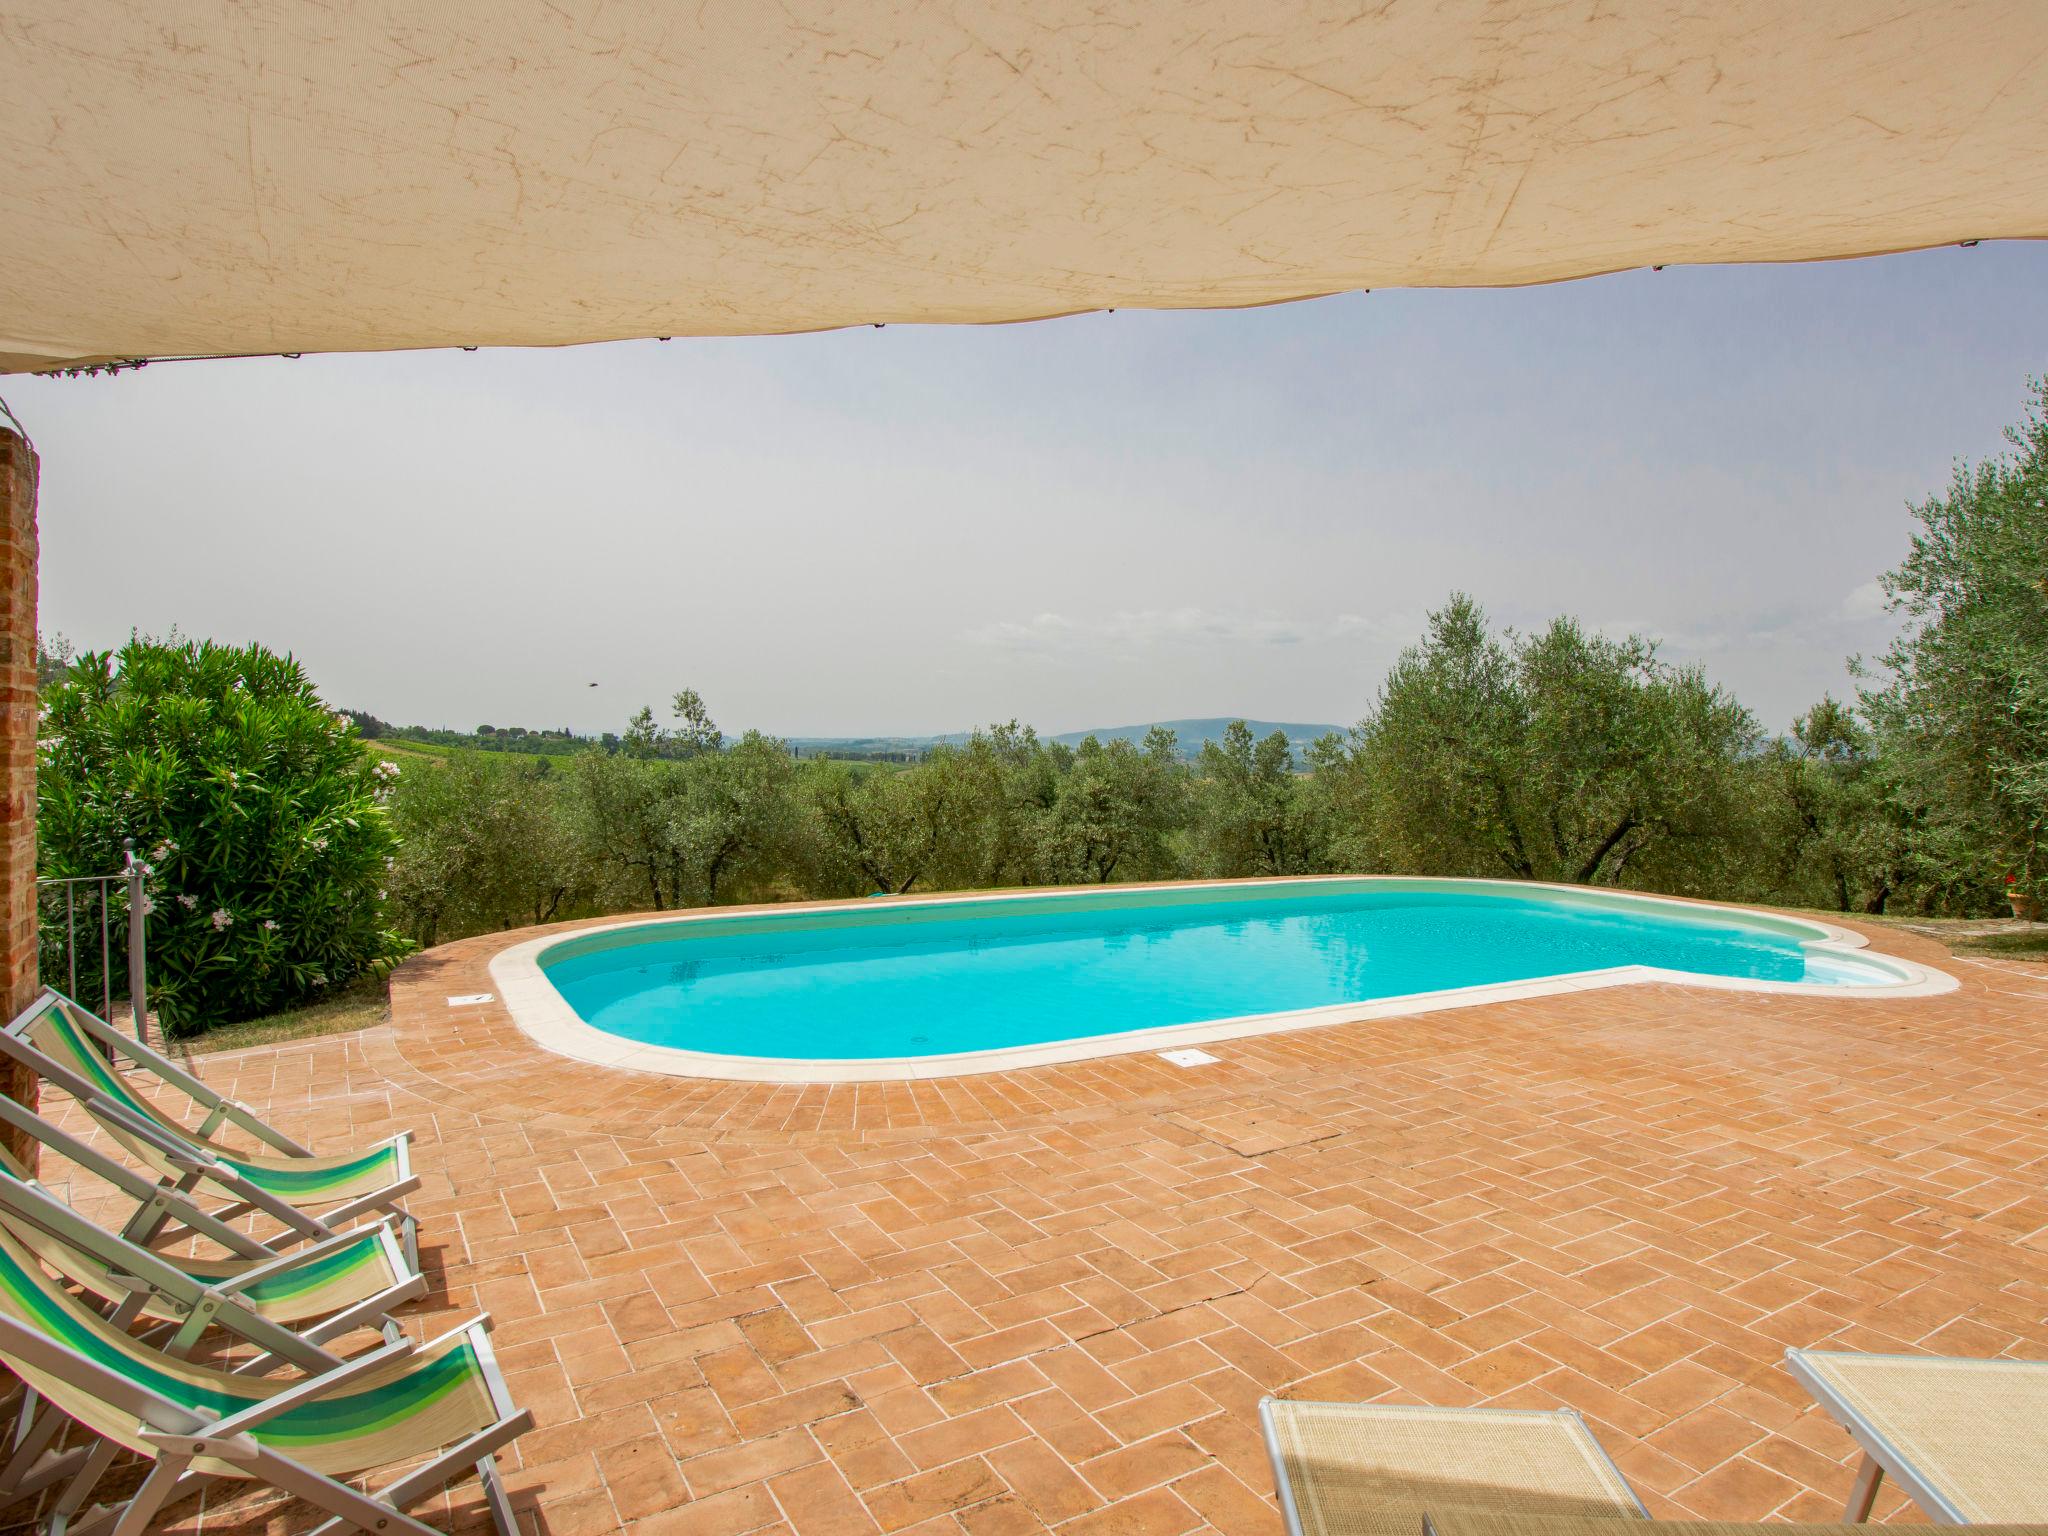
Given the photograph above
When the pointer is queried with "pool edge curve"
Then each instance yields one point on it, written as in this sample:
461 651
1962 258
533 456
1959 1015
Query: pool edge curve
545 1017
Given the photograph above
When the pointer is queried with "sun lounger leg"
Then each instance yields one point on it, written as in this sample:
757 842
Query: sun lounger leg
188 1333
1864 1495
350 1508
495 1497
80 1488
154 1493
479 1450
25 1419
144 1225
54 1469
99 1521
27 1471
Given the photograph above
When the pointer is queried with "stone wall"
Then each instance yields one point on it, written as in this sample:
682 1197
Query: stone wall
17 751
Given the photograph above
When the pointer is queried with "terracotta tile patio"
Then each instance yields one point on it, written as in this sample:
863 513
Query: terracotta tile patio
1052 1298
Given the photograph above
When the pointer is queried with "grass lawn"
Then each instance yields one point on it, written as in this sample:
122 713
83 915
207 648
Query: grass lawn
404 753
2001 938
399 751
2027 942
362 1004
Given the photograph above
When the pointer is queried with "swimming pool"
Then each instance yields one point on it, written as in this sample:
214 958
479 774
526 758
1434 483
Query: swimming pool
965 984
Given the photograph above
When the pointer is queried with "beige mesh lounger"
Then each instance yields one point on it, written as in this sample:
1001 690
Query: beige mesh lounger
1375 1469
1548 1525
1966 1440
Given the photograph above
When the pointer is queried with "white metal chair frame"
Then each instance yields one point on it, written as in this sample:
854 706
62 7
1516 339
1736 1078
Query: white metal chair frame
195 1163
180 1435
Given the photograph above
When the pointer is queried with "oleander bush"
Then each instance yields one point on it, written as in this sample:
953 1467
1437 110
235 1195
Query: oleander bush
257 809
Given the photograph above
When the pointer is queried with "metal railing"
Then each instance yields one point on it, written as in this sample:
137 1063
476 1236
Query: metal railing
64 903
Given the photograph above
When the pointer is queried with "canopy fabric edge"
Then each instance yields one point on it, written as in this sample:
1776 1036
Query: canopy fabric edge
254 177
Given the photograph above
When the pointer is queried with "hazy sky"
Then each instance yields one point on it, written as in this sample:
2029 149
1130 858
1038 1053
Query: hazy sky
1079 522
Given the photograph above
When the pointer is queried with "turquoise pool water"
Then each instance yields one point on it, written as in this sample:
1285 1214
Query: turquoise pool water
975 975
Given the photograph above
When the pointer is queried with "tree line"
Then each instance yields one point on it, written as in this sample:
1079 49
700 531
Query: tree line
1562 756
1559 755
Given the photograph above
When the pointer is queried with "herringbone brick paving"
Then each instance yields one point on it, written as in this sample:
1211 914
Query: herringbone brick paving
1052 1299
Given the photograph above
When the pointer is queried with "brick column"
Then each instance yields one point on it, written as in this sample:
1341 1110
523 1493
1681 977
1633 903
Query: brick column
18 708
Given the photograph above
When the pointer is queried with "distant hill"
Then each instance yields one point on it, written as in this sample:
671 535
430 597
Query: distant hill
1191 733
439 741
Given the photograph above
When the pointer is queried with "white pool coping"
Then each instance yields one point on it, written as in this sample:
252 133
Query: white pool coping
546 1018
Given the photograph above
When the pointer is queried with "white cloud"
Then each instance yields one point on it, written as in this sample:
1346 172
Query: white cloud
1866 602
1857 620
1394 628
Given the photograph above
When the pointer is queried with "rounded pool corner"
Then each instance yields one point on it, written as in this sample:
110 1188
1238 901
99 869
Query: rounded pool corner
1861 970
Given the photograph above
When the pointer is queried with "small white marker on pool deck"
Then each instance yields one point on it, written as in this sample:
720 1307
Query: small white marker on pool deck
1188 1057
468 998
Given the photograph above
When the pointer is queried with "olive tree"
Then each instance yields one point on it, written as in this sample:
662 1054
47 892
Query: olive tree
729 816
1563 755
1002 785
1826 830
1961 712
677 832
886 830
622 811
485 843
1115 810
1250 817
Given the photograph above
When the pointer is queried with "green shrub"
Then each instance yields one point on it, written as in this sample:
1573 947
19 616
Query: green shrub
257 809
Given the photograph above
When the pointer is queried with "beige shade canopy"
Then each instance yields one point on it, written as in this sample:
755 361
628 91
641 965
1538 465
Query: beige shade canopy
253 176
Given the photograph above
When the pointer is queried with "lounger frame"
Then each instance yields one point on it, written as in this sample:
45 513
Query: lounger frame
213 1302
163 1202
1284 1485
180 1435
1881 1458
195 1162
219 1108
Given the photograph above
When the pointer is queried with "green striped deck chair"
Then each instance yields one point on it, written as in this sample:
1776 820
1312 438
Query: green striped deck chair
61 1042
289 1306
445 1401
160 1202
